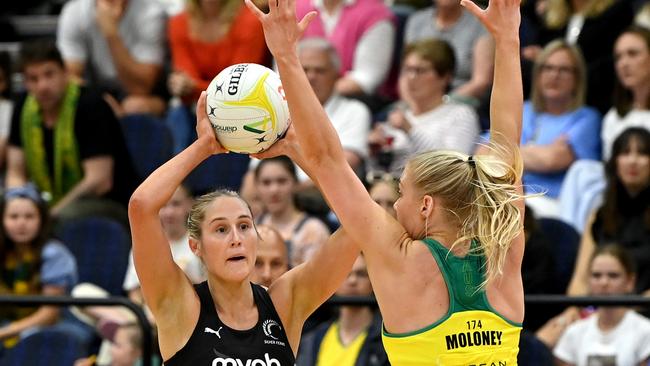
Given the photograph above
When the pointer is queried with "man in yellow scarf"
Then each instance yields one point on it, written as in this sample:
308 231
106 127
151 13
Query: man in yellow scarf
66 140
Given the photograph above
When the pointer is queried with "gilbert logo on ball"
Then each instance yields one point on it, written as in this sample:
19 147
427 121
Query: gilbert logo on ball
247 108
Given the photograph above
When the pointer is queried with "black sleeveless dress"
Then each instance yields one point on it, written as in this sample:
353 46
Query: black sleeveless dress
215 344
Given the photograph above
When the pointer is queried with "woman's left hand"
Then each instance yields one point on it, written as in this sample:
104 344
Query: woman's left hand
204 129
281 29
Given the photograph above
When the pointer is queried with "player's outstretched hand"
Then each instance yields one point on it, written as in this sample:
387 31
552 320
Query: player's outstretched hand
281 29
501 17
204 128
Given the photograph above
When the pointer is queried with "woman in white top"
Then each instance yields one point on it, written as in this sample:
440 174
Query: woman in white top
632 93
425 119
612 335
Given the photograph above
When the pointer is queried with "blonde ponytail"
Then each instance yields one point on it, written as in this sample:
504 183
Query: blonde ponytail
479 192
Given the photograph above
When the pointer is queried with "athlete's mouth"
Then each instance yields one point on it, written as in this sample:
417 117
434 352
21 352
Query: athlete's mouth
237 258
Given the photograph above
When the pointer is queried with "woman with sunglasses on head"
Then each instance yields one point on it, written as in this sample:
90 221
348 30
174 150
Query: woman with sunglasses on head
33 263
226 319
447 271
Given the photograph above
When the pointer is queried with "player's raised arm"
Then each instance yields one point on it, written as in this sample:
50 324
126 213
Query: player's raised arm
366 222
151 251
502 19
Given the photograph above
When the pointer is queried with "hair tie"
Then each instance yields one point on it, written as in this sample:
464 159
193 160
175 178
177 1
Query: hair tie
471 161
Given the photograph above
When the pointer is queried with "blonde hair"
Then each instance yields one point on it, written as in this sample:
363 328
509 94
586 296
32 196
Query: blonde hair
559 11
197 213
479 194
580 74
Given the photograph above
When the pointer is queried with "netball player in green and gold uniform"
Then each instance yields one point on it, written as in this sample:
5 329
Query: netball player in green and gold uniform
447 272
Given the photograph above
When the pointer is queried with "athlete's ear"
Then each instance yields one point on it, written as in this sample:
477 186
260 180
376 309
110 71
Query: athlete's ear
428 205
195 247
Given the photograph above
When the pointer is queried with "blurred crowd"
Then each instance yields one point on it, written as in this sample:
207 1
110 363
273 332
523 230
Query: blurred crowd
88 109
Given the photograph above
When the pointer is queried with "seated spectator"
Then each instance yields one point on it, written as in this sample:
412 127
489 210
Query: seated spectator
117 46
126 346
593 26
6 104
272 259
472 45
557 127
632 92
204 39
354 337
424 119
623 217
67 140
275 181
612 335
585 180
363 33
385 192
350 118
32 263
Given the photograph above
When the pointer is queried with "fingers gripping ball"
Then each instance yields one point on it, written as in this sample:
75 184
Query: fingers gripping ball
247 108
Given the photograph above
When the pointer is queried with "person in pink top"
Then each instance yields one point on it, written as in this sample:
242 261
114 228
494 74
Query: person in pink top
363 33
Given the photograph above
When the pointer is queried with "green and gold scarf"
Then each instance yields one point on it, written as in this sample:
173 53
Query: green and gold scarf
67 167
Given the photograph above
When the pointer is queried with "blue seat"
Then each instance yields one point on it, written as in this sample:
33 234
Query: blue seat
565 241
46 347
218 171
149 142
533 352
101 247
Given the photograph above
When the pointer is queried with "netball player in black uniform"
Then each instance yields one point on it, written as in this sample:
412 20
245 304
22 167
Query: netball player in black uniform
226 320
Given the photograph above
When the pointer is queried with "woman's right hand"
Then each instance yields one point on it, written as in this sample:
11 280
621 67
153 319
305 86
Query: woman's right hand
204 129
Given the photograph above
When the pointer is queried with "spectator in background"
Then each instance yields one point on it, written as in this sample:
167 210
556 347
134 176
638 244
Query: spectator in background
32 262
424 119
472 45
354 337
632 91
612 335
592 25
363 33
585 181
272 259
385 192
624 217
204 39
67 140
6 104
350 118
275 181
117 46
557 126
125 349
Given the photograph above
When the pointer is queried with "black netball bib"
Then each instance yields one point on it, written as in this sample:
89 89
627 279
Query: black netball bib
215 344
